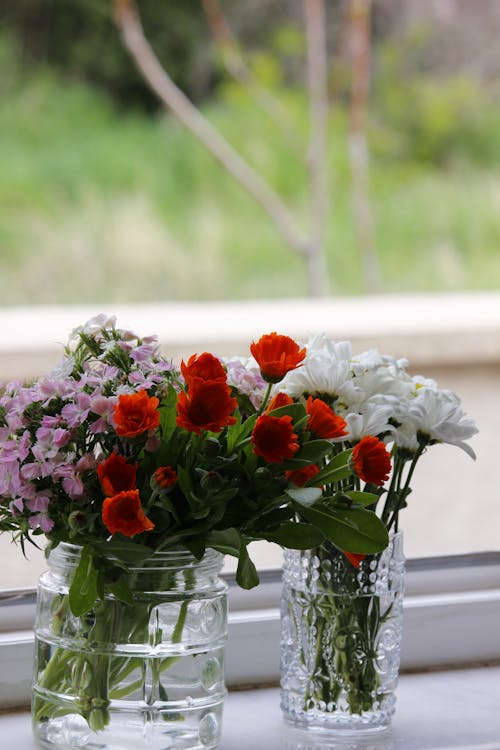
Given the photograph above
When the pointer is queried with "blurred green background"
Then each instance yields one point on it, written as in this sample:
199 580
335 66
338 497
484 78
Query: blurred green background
105 197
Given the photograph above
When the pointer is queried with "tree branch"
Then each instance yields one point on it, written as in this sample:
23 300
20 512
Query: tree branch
235 64
360 42
317 56
172 97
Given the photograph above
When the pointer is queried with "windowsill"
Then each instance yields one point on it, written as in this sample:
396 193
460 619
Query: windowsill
446 710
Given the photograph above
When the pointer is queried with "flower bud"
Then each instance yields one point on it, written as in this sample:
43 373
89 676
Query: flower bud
77 520
212 481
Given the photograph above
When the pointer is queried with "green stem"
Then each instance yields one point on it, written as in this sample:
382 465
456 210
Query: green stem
353 624
266 399
402 493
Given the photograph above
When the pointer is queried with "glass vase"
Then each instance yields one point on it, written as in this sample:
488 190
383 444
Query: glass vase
146 675
341 638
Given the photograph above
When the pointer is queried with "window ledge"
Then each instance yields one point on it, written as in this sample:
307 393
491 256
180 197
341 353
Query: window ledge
447 601
449 710
430 328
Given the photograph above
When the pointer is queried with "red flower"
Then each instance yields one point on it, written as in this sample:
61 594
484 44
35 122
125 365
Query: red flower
206 406
323 421
273 438
371 460
165 477
116 475
281 399
276 355
300 477
136 413
354 558
123 514
205 366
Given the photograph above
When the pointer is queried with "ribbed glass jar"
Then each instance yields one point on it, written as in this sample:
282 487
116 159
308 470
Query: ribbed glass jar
341 638
148 675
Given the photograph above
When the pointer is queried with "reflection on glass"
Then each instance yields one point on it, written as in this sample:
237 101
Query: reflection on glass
299 739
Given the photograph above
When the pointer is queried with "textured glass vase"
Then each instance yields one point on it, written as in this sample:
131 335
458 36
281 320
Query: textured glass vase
148 675
341 638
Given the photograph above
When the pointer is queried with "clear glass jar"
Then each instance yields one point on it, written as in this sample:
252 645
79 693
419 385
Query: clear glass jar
341 638
147 675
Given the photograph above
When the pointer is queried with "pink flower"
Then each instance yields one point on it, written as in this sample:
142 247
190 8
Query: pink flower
60 437
39 503
143 353
48 421
42 521
70 480
76 414
31 470
16 506
86 462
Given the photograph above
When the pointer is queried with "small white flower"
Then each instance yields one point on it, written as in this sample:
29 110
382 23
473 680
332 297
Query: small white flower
321 376
437 415
336 351
419 381
374 420
94 325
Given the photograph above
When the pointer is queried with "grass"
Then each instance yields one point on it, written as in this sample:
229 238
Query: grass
98 205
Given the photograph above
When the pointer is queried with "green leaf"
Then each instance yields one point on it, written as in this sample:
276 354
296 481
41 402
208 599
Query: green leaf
83 590
296 535
196 547
314 450
341 459
168 413
355 530
127 552
223 496
336 469
246 573
121 590
227 541
185 482
236 433
295 411
233 433
272 518
304 495
362 498
294 463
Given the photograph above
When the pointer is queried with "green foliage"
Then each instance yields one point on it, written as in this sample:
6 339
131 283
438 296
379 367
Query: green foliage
355 530
83 186
430 117
83 591
79 40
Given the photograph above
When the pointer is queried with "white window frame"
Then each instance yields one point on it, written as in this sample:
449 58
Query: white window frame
451 616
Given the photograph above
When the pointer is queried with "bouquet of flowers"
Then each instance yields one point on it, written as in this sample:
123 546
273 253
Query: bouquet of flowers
123 454
337 627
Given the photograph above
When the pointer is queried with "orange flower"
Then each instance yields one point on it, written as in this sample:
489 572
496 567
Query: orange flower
205 366
300 477
323 421
354 558
123 514
281 399
165 477
136 413
276 355
116 475
371 460
273 438
206 406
